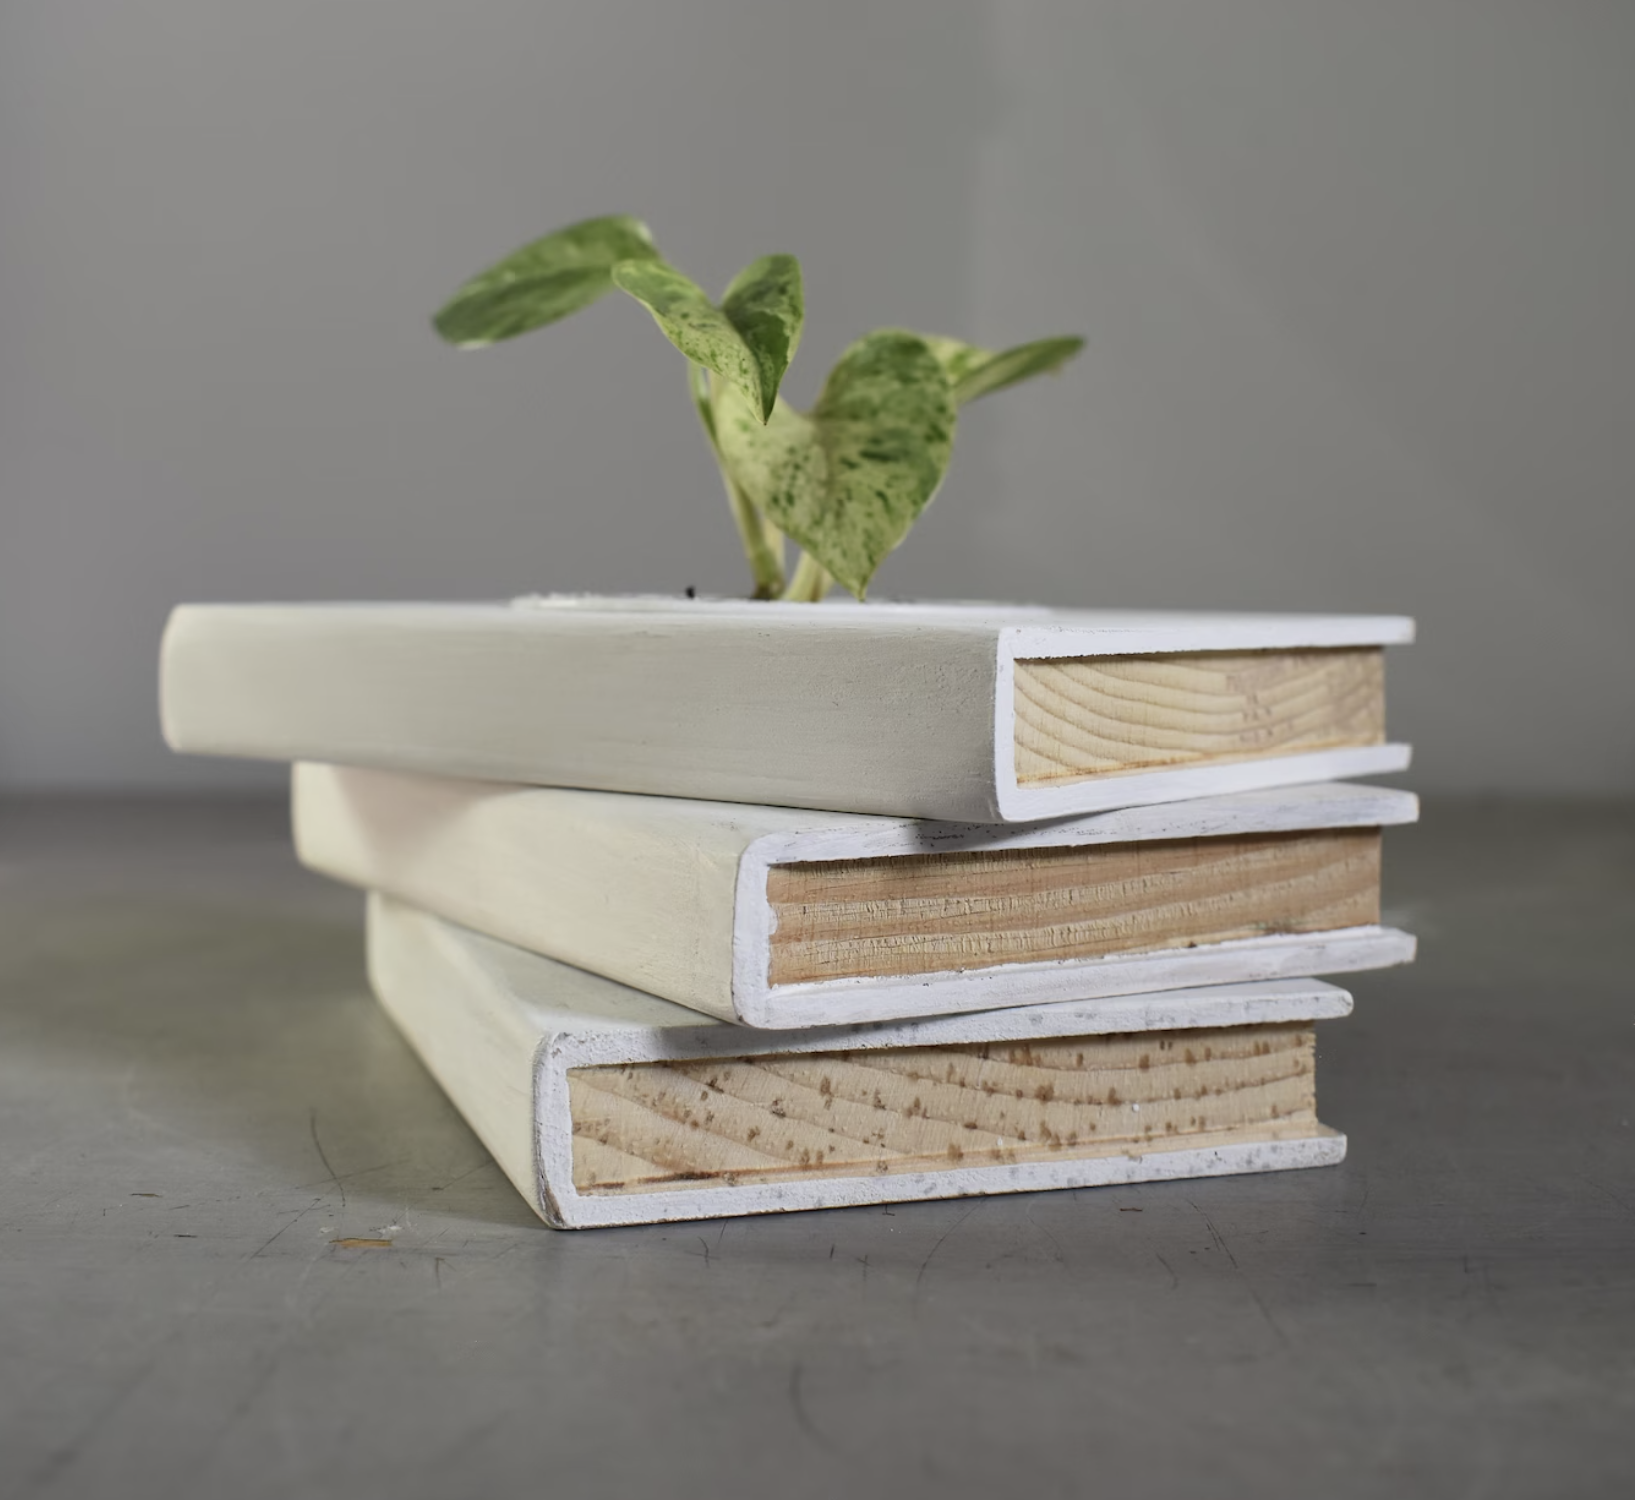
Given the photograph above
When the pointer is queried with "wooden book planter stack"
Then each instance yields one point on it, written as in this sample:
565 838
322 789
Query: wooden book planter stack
702 908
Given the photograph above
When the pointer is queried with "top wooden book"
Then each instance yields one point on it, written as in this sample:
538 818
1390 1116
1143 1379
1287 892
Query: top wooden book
974 713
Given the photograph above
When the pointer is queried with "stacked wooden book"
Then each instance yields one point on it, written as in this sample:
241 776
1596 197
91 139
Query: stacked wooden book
702 908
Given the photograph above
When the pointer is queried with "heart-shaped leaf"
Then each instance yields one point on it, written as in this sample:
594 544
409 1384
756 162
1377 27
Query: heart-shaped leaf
975 372
849 480
747 341
767 305
544 281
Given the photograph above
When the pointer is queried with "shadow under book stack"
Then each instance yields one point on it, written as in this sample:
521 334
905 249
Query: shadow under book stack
701 908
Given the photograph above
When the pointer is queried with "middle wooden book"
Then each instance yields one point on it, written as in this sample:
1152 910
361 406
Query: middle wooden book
781 918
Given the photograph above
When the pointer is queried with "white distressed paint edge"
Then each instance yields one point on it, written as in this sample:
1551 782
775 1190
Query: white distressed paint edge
572 1210
580 1042
786 836
1025 804
1026 631
1243 960
842 606
1159 632
1265 810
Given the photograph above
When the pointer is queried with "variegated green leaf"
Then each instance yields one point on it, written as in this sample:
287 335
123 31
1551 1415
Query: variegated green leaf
975 372
849 480
691 322
747 341
544 281
957 358
767 305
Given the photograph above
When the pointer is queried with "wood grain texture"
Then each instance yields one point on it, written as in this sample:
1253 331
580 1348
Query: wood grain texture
911 1109
1102 714
932 913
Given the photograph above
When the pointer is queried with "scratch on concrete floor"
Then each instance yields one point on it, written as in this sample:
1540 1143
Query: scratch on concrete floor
312 1124
924 1264
797 1404
1248 1285
289 1224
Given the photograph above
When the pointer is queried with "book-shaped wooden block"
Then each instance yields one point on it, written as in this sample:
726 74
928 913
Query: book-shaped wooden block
971 713
774 917
608 1106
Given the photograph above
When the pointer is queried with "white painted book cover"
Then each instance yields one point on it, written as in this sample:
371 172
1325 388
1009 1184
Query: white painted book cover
976 713
779 918
604 1105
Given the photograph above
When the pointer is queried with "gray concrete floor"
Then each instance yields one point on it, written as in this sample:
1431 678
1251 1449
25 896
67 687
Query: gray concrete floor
198 1097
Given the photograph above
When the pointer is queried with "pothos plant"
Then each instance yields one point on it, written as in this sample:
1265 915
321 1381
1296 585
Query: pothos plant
846 480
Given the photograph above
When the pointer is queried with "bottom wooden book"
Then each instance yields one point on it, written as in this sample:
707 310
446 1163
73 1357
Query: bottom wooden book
605 1105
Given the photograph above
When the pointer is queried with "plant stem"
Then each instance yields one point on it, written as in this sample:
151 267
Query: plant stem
811 581
763 542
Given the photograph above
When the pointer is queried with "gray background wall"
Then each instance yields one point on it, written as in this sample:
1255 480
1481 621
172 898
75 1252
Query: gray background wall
1357 281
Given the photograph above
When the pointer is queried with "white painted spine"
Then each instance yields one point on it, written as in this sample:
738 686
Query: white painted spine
577 1211
840 1001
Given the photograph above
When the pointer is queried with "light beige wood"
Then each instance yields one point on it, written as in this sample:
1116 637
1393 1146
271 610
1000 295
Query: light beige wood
1092 715
930 913
914 1109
